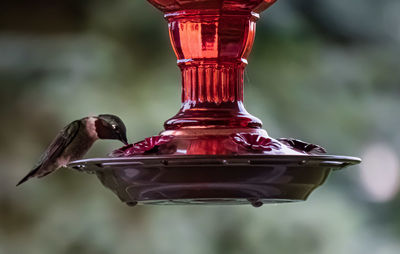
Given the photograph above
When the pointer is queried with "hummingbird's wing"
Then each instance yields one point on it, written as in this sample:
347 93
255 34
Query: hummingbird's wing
62 140
49 157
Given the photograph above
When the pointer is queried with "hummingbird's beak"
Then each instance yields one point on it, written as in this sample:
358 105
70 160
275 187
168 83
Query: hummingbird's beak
123 138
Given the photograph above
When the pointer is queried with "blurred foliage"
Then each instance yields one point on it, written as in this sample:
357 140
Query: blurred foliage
321 70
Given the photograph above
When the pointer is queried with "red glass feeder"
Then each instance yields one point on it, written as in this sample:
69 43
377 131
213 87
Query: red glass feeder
213 151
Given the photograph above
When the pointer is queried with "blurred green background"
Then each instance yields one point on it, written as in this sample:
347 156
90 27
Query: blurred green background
324 71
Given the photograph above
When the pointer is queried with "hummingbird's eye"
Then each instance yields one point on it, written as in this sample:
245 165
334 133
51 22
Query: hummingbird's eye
114 126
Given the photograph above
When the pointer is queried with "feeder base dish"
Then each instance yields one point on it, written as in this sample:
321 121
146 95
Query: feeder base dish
208 179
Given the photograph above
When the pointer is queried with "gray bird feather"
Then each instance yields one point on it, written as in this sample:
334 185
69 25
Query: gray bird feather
54 151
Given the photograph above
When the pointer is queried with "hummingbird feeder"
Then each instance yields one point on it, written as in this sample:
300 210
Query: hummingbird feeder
213 151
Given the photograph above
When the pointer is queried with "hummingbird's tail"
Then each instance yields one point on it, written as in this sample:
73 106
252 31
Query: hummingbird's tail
29 175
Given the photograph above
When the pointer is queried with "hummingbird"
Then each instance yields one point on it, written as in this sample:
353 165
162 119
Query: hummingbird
74 140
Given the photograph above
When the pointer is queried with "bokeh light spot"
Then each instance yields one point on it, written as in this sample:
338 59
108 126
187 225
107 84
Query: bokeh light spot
380 172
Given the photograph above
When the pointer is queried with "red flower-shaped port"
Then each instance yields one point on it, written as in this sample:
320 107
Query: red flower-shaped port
255 142
146 146
302 146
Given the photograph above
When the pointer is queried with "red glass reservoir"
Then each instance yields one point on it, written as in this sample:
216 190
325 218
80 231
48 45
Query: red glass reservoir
212 40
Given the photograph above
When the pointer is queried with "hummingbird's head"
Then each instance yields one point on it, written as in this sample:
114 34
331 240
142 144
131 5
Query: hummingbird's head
111 127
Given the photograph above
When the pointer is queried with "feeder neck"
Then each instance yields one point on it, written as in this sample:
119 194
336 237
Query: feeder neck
212 82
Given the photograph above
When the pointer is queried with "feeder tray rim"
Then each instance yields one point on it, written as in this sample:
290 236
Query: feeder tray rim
333 161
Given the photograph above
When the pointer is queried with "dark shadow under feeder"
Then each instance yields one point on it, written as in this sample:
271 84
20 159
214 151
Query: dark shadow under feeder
213 151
